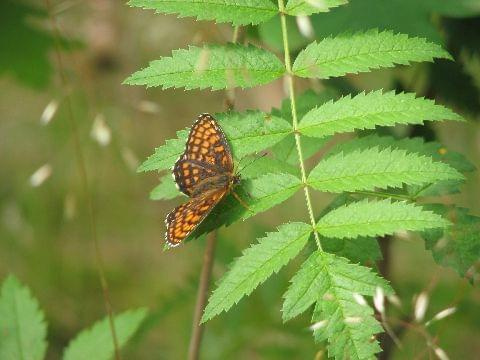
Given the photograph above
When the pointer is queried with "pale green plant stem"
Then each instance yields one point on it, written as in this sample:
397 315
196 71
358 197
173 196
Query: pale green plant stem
291 93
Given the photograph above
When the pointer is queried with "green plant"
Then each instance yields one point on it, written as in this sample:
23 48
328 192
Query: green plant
381 181
24 330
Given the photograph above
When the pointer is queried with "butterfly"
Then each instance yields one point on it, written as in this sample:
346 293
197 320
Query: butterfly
205 173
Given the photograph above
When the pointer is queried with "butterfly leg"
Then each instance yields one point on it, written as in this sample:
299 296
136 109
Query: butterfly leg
243 203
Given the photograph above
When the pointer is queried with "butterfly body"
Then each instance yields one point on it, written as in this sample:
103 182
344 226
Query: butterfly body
205 173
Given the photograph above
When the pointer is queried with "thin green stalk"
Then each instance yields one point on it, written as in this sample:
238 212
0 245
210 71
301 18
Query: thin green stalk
82 169
291 91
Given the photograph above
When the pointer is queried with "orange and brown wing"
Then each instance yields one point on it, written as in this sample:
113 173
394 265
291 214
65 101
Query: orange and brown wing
207 143
186 217
207 154
188 174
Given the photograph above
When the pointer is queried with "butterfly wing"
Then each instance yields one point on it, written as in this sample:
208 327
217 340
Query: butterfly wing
186 217
188 174
207 154
207 143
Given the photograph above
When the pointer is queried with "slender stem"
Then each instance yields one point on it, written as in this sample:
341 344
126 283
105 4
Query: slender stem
291 91
197 327
82 169
208 257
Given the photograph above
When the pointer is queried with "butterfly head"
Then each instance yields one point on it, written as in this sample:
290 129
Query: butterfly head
236 180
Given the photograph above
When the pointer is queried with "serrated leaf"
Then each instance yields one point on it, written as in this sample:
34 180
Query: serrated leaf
259 166
363 250
377 218
22 323
166 190
417 145
374 168
309 7
321 276
96 342
256 265
252 131
458 246
348 326
366 111
260 194
248 132
238 13
211 66
361 52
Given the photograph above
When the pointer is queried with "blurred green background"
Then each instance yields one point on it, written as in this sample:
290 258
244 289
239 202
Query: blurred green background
44 226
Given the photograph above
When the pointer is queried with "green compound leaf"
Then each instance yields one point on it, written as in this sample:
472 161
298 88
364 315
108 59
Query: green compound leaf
366 111
361 52
246 133
377 218
309 7
256 265
321 276
22 323
238 13
96 342
458 246
374 168
211 66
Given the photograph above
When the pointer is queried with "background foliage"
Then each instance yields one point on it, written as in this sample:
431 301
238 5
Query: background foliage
43 235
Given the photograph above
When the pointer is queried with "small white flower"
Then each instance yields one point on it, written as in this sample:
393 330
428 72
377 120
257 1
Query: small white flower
442 355
442 315
150 107
318 325
378 300
40 175
353 319
359 299
305 27
421 305
100 131
395 300
49 112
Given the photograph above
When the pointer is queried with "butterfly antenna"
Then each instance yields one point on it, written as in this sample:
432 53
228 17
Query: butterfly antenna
251 162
